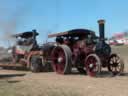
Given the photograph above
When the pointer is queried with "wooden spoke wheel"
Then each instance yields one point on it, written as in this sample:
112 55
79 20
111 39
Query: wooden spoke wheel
116 65
61 59
93 65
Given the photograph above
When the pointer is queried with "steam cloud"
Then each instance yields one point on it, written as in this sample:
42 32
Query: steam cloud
9 22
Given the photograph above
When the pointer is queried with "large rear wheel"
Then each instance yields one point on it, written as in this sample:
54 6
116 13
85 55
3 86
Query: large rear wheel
93 65
61 59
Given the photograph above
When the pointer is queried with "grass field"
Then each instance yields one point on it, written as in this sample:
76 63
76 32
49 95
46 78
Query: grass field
25 83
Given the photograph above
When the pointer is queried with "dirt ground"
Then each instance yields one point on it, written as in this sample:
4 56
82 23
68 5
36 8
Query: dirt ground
25 83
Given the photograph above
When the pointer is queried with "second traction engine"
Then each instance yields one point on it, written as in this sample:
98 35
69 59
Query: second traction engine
82 49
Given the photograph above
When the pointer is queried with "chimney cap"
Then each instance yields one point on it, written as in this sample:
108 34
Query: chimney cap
101 21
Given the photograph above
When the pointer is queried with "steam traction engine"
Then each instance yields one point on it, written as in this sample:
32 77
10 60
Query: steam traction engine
28 53
82 49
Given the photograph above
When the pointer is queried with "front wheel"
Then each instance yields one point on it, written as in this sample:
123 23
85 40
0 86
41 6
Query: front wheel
93 65
115 64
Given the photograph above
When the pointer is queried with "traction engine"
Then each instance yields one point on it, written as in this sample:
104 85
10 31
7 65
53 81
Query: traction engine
82 49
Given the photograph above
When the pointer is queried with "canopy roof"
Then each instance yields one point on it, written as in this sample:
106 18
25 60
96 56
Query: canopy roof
73 33
26 34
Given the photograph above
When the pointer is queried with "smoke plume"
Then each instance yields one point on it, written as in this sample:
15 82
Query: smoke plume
10 20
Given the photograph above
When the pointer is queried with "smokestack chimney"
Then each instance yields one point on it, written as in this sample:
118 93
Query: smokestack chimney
101 28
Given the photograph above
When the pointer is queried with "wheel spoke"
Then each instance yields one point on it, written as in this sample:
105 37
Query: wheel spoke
118 68
54 58
114 59
118 61
115 69
62 67
111 68
111 62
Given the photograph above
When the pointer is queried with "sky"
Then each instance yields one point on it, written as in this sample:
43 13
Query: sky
51 16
